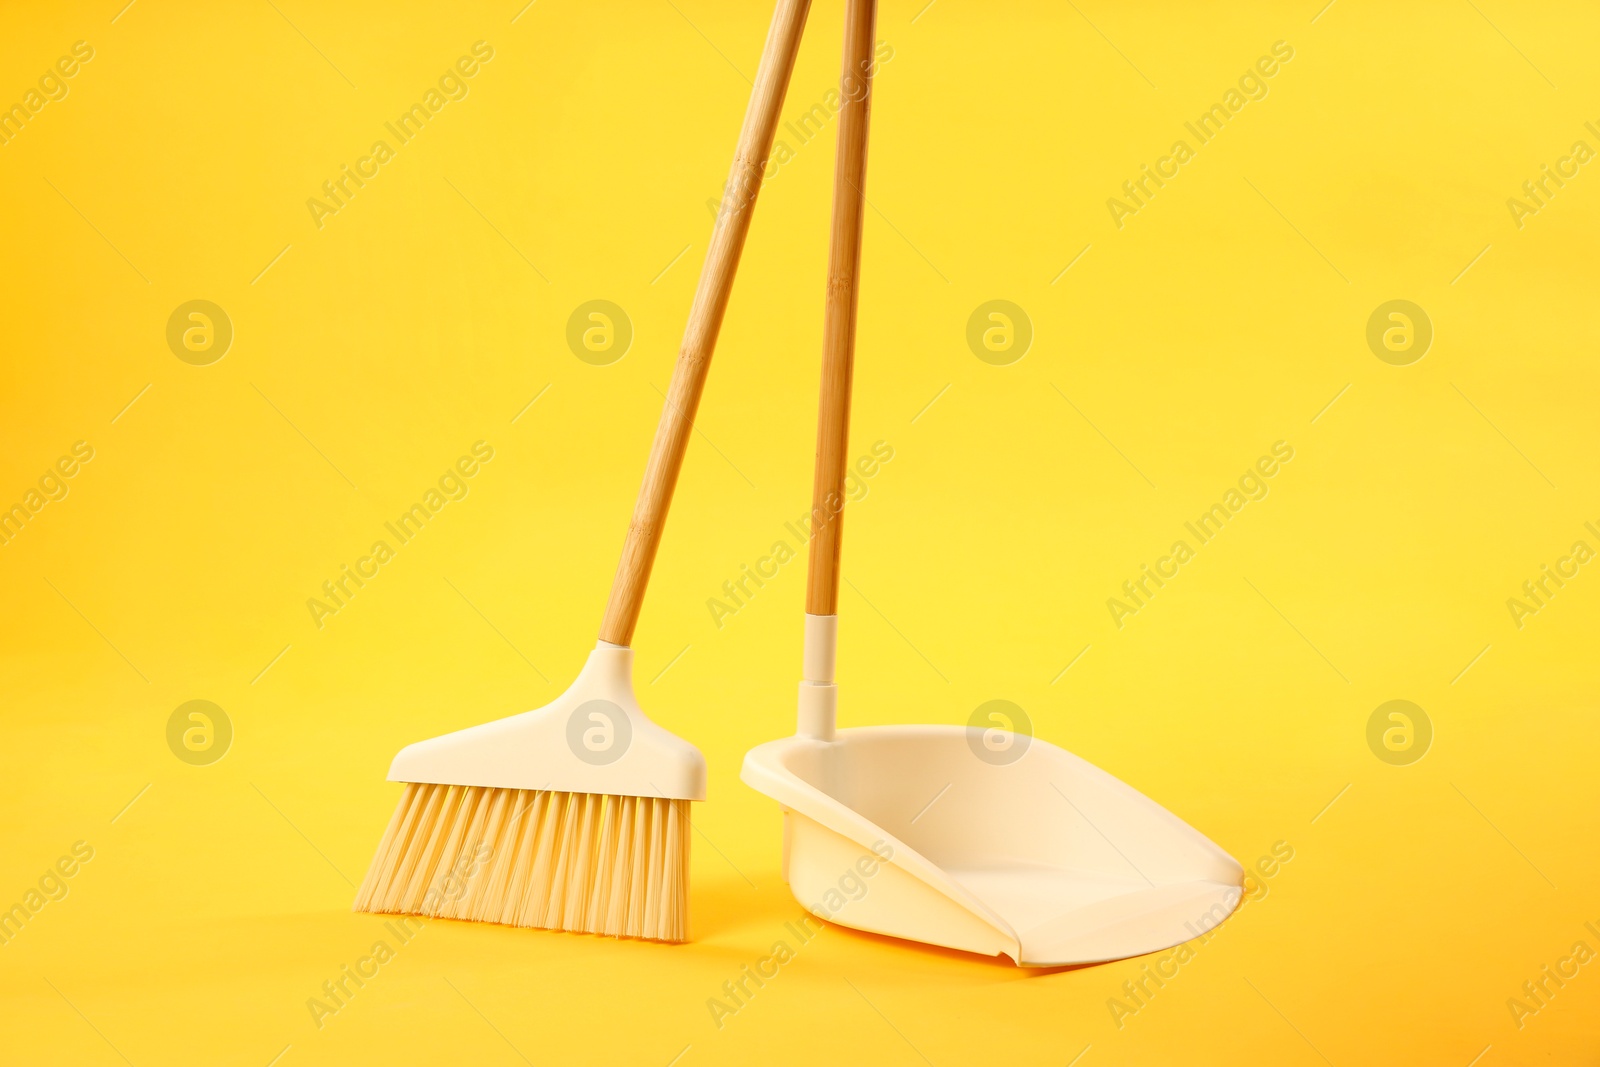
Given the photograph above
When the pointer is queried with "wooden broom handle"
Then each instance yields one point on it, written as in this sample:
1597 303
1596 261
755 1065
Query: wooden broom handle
839 320
705 320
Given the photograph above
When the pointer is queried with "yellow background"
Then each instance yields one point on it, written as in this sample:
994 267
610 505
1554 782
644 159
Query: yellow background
1223 317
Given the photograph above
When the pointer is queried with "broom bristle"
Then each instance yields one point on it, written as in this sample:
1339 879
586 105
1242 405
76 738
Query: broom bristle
586 862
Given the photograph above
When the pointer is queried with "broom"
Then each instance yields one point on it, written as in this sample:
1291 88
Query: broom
575 816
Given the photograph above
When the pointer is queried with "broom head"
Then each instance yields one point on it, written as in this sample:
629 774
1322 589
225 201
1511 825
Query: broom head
574 816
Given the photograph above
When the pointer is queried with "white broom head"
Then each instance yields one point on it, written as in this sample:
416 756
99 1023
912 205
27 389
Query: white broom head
574 816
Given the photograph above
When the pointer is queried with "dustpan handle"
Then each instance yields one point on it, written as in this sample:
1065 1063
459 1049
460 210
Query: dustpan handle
705 320
839 319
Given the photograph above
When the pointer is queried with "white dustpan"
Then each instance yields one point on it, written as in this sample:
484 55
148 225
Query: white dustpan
983 840
1048 860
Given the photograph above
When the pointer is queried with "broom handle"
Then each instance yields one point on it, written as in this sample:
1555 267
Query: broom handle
705 320
839 320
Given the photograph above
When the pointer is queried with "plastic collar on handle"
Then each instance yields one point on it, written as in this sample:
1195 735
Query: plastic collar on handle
819 697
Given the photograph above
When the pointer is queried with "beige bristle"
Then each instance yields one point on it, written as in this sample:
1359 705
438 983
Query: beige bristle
584 862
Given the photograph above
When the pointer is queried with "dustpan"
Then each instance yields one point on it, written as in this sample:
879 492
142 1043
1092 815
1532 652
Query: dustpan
1049 860
976 838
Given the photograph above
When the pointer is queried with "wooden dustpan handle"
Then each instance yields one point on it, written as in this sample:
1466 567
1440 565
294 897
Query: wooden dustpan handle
839 321
705 320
